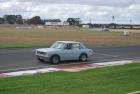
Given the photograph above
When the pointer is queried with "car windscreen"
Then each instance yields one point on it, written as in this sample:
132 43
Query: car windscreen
58 45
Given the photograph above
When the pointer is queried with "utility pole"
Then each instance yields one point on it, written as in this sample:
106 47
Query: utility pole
90 21
131 23
113 23
113 17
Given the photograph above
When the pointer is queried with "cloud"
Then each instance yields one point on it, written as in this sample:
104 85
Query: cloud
112 3
97 10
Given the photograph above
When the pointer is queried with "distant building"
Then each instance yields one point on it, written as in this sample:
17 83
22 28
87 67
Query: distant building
53 22
89 25
85 26
117 26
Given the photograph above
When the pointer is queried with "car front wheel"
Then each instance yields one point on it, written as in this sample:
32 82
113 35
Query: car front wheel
55 59
83 57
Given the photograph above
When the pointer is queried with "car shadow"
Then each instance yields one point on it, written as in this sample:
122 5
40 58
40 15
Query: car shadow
65 62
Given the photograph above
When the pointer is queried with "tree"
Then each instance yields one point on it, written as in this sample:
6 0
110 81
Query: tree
112 25
9 19
35 20
13 19
74 21
19 19
1 21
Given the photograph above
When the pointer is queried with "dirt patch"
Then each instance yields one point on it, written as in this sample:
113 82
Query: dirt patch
77 67
3 75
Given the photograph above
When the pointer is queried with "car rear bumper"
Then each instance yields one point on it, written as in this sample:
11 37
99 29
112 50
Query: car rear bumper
90 56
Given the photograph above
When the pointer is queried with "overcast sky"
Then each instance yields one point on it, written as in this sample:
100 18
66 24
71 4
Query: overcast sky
96 11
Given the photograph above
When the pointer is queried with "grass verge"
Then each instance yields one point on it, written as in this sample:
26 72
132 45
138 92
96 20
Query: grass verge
108 80
10 37
23 45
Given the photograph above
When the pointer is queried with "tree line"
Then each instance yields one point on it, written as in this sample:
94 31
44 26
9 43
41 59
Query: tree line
17 19
36 20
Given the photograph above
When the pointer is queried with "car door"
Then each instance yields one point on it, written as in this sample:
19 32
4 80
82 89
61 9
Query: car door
68 52
76 50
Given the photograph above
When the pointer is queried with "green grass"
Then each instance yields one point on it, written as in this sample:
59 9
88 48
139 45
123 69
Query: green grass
108 80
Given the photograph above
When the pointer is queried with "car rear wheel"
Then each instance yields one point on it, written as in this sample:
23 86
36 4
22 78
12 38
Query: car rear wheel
55 59
83 57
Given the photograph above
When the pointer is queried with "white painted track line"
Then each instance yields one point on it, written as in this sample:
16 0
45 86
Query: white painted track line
114 63
29 72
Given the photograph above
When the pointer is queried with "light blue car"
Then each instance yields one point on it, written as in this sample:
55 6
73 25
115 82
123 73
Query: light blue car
64 50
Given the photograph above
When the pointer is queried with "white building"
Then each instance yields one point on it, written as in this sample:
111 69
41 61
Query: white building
53 23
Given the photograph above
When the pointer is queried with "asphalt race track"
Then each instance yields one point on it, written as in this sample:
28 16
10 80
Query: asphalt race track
23 59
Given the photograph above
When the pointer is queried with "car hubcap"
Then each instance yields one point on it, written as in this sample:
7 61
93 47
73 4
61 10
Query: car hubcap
83 58
55 60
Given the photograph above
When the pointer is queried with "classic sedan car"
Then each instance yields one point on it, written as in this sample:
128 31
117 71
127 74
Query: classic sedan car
64 50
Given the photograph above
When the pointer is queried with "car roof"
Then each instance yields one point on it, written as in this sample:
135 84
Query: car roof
69 41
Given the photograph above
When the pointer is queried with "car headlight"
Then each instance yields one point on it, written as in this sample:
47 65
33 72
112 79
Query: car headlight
41 53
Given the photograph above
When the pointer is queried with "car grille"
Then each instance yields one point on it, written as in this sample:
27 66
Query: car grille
42 53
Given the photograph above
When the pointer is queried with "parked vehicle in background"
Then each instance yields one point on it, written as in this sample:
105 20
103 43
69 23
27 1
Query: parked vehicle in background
105 29
64 50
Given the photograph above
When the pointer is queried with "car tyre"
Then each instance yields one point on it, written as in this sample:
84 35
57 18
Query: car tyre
83 57
55 59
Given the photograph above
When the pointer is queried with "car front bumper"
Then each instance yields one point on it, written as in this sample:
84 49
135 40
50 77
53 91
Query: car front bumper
47 59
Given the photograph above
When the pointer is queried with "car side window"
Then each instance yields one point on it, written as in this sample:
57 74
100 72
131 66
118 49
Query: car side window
68 46
76 46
